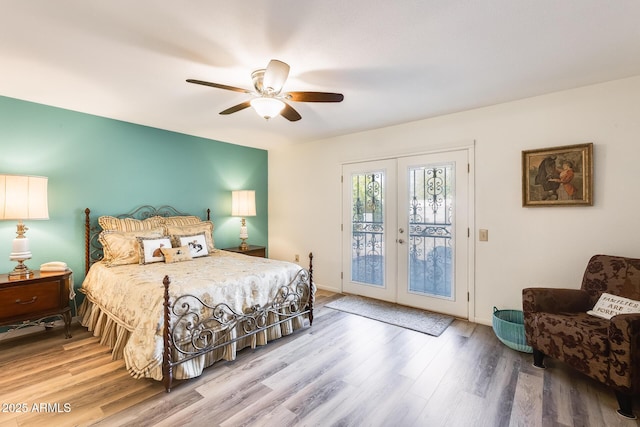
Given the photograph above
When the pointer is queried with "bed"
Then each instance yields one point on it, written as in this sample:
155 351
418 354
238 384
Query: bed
165 300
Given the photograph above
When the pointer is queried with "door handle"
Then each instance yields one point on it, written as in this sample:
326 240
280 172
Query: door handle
401 230
400 241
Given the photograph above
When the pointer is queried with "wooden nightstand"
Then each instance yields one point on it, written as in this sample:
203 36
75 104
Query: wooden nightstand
257 251
26 301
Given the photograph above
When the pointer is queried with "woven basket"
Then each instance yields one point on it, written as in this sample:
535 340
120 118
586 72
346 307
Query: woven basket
508 326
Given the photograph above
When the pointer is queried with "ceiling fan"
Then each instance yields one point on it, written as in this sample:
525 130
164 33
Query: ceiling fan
269 100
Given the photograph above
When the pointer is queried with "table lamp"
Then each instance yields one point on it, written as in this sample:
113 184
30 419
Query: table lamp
243 204
22 198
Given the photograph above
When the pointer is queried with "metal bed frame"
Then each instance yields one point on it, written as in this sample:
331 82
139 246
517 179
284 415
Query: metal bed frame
193 328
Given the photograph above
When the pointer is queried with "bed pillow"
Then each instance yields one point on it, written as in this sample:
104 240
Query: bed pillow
179 254
110 223
122 247
181 220
197 244
204 227
611 305
151 249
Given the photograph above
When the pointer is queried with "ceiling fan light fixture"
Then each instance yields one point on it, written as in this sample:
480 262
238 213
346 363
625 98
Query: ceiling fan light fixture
267 107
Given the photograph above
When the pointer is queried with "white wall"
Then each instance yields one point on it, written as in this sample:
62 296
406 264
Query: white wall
527 246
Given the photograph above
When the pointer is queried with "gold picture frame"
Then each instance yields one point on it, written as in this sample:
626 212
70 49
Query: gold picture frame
558 176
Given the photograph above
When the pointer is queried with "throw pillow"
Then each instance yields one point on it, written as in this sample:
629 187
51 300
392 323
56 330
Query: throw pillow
151 249
610 305
110 223
197 244
172 255
122 247
205 227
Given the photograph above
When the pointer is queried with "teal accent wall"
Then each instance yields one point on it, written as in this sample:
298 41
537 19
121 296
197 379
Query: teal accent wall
112 167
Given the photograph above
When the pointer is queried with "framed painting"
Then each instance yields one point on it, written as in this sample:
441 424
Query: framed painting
558 176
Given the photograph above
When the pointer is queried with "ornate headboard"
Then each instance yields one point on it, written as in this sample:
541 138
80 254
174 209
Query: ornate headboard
93 248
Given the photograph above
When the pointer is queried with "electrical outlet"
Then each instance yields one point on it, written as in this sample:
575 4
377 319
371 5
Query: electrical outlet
297 257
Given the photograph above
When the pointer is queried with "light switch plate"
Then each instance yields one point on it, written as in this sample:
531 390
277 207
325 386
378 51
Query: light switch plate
484 235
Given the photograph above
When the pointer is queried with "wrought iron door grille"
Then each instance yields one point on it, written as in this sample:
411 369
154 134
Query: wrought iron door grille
367 228
430 230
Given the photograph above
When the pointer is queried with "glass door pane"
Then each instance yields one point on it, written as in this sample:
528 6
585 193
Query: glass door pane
367 228
430 224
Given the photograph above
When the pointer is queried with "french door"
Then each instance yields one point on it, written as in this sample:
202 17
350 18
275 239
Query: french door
405 231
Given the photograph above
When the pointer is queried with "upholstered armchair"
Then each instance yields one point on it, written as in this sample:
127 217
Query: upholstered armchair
557 325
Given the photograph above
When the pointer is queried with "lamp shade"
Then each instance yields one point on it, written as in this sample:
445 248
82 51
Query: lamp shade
23 197
267 107
243 203
274 76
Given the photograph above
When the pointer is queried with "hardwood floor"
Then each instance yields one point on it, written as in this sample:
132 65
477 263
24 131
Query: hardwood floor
344 371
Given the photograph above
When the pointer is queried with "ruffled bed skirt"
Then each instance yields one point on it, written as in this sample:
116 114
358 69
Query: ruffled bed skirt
115 334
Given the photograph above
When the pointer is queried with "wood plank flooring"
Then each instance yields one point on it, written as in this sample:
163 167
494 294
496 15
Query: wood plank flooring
346 370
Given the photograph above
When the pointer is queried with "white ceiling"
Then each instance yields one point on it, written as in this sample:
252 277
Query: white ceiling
394 61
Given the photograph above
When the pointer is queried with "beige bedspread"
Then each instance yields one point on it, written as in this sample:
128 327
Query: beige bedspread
123 304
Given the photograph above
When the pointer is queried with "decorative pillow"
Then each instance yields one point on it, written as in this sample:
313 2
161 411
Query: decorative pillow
110 223
205 227
122 247
197 244
611 305
172 255
181 220
151 249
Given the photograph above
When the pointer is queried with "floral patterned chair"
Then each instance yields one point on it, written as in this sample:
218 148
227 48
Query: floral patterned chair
557 325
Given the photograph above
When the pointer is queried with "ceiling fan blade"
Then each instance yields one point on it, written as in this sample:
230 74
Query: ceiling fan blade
290 113
275 75
218 85
314 96
236 108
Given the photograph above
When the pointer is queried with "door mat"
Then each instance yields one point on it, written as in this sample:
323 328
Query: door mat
406 317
